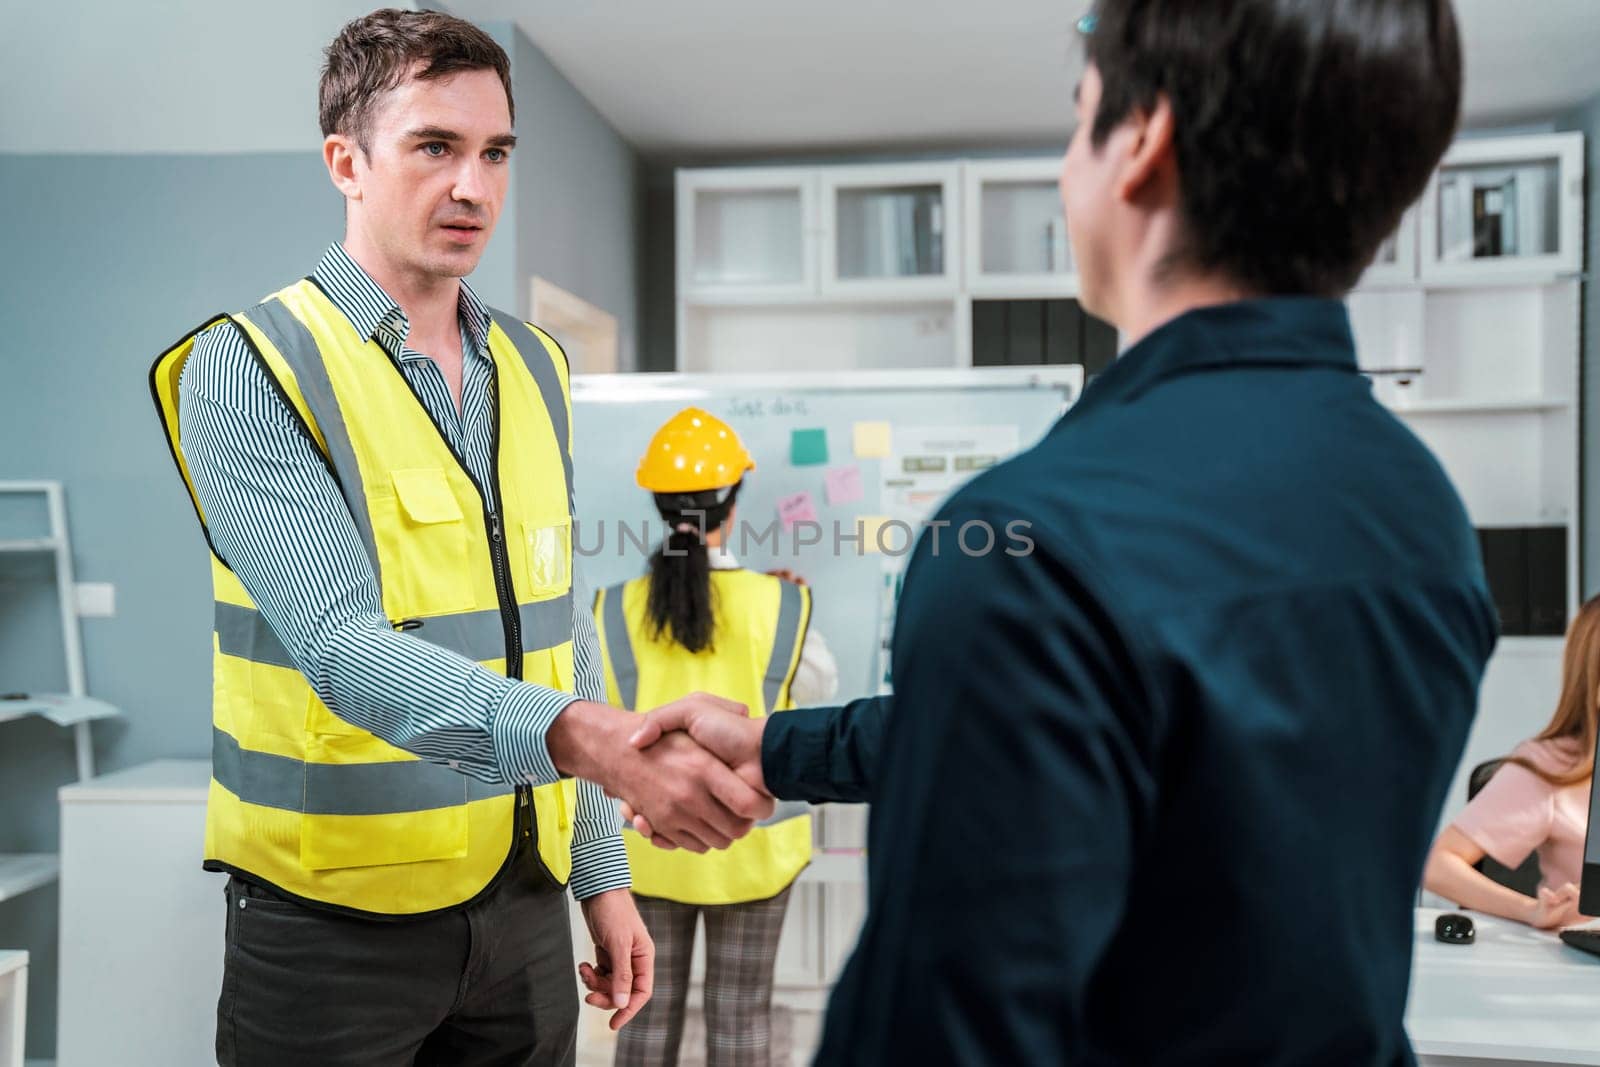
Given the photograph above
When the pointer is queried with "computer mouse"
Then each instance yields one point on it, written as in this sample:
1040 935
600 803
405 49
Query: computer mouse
1454 929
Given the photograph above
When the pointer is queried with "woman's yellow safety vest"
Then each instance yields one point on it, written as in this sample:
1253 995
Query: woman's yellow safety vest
760 626
303 800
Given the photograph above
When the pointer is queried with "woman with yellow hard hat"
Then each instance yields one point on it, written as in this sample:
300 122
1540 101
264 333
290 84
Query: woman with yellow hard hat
699 622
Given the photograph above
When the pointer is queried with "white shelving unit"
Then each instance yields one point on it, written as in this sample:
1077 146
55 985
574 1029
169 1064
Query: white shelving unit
1468 319
74 709
1487 377
1396 261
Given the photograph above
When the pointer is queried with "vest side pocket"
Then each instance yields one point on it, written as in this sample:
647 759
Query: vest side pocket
344 824
421 537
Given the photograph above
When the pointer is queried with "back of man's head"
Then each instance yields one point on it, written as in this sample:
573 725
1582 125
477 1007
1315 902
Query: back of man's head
1303 128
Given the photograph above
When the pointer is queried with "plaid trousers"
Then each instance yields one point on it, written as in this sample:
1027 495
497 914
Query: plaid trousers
741 953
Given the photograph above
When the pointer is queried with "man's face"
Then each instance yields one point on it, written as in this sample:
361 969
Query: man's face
433 181
1088 197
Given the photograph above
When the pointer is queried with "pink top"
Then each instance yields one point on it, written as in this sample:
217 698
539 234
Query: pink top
1518 812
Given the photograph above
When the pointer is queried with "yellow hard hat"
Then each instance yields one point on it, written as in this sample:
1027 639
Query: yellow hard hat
692 452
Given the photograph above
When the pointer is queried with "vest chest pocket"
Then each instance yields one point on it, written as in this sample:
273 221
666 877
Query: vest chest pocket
549 548
422 541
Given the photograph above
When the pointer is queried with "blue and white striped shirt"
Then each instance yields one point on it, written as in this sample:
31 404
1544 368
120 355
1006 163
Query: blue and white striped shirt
277 518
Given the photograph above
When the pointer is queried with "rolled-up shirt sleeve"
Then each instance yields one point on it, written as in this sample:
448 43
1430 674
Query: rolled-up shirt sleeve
599 858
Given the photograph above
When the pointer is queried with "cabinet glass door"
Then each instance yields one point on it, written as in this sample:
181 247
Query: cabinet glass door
886 231
749 233
1504 206
1016 234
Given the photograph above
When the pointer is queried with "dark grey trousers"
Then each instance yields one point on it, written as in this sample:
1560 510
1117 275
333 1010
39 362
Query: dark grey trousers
489 984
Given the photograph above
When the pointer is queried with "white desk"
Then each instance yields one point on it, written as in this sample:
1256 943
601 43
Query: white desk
13 1005
1516 996
141 923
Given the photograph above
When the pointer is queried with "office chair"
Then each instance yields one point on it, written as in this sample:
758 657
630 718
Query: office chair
1524 879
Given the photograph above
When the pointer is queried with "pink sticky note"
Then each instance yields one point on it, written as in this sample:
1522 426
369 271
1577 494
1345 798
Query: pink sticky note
843 485
797 508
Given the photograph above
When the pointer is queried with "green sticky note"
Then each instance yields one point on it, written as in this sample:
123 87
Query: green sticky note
807 448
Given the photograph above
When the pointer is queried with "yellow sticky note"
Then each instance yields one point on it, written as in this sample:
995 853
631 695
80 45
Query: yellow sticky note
872 440
874 538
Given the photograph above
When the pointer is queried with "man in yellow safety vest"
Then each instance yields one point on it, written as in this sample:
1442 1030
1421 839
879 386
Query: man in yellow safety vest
407 685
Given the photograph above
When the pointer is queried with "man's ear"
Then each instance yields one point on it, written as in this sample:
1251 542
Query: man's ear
1152 150
339 153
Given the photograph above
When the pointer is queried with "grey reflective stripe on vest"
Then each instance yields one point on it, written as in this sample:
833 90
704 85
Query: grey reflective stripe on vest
537 359
619 647
273 781
791 604
242 632
299 350
477 635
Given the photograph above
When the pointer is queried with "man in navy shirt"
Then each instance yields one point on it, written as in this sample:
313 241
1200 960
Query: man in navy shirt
1233 677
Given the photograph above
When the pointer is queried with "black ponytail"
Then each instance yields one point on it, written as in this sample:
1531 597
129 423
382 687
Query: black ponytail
680 603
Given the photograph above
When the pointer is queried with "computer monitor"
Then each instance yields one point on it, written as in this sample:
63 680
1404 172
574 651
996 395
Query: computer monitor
1589 885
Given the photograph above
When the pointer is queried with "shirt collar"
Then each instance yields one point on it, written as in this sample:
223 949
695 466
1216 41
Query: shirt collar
370 308
1283 331
721 558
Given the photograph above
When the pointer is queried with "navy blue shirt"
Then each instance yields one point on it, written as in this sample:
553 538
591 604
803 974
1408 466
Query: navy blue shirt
1232 680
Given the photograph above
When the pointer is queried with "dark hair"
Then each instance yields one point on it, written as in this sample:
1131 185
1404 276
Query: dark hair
1303 128
680 603
375 53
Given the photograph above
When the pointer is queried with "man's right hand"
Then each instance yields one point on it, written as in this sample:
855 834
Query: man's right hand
726 732
686 791
1552 908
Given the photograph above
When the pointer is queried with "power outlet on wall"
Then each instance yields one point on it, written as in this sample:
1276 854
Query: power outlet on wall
96 600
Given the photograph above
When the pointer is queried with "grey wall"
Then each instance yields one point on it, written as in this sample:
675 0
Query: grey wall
166 76
577 197
1587 119
112 258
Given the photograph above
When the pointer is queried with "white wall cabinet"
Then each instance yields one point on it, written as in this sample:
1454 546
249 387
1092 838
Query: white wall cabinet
890 232
1467 320
1015 231
747 234
1505 209
827 268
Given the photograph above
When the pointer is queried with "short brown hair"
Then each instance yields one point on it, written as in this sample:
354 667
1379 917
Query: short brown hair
375 53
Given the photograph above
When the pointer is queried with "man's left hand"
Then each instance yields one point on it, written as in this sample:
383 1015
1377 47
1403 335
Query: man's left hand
623 973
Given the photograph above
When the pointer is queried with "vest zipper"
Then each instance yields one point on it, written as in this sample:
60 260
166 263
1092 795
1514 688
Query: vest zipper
502 581
509 615
508 603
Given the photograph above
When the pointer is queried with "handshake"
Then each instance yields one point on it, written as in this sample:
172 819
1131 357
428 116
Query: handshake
688 773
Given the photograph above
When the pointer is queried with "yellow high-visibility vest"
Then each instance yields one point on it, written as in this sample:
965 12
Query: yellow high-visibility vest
302 799
760 626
